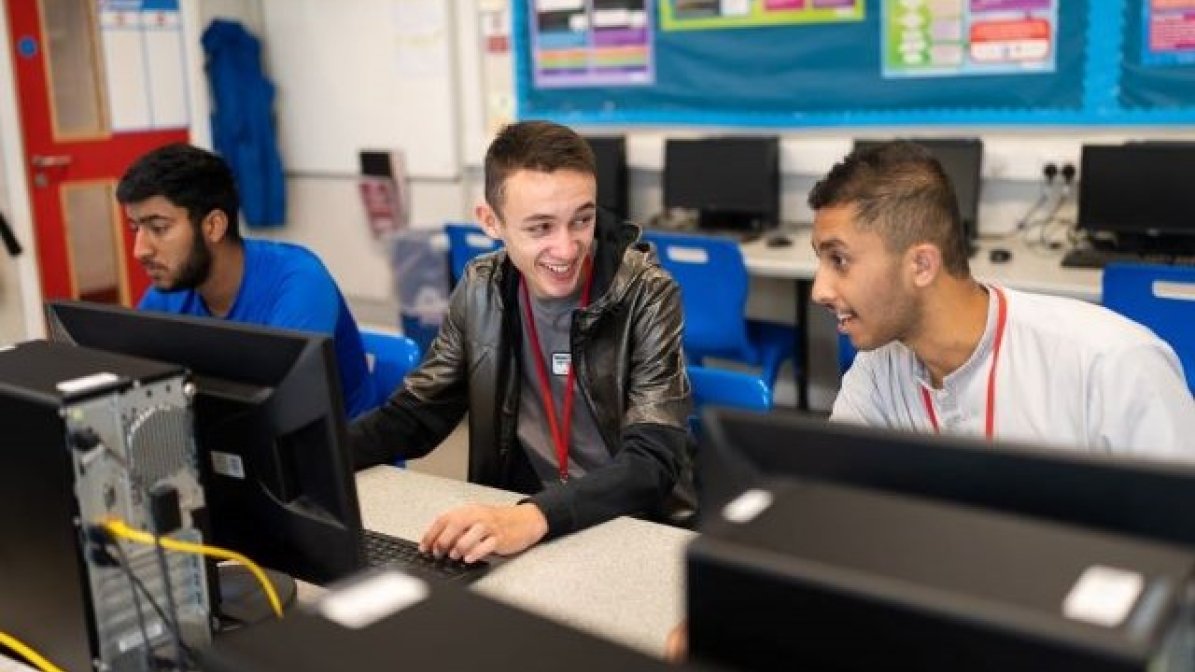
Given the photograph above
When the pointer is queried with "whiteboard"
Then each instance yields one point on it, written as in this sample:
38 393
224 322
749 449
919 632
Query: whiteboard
363 74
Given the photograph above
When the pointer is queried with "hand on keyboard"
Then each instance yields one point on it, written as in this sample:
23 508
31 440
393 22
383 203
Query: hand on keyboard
474 531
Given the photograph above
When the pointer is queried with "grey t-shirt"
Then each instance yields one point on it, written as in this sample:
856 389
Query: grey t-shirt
553 318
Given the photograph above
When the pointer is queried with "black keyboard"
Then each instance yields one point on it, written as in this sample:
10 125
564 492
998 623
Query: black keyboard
382 550
1091 258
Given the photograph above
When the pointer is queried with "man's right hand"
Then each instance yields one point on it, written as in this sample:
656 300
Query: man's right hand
474 531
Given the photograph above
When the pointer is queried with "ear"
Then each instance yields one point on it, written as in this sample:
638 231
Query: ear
490 222
214 226
925 260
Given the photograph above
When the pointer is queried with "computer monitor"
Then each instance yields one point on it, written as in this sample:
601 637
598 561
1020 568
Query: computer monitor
610 153
732 183
1133 496
269 425
1140 193
938 553
962 160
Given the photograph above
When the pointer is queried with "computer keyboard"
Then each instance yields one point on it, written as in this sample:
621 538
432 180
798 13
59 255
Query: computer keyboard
1092 258
383 549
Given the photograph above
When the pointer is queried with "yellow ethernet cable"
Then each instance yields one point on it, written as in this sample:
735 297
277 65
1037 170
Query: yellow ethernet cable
39 661
120 529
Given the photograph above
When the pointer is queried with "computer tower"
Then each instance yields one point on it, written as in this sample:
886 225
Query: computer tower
814 576
88 436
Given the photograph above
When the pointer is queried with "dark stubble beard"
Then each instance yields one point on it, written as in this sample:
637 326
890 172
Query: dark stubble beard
195 272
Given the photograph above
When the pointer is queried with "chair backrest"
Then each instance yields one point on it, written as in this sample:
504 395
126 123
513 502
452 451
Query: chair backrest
713 282
466 241
1161 298
391 357
719 387
846 353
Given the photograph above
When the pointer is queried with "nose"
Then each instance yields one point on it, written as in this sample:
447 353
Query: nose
823 291
564 244
142 250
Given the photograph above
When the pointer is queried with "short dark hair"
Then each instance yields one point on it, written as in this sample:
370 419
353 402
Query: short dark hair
188 177
901 190
533 145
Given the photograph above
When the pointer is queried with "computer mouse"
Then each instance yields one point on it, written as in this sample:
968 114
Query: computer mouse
999 255
779 241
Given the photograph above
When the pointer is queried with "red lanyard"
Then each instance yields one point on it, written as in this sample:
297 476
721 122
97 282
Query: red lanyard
560 435
989 426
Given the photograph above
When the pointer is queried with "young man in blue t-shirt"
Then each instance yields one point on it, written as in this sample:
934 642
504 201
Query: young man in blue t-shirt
182 204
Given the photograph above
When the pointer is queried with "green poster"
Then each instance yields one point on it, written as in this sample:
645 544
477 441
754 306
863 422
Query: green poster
714 14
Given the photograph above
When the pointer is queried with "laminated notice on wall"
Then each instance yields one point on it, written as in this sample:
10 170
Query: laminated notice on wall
952 38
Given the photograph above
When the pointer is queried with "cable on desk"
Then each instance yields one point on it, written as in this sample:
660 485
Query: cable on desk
120 529
39 661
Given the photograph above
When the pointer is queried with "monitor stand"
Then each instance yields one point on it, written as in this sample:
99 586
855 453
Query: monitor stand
242 600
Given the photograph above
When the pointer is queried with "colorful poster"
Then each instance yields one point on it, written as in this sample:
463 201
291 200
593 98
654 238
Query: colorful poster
712 14
953 38
1169 27
579 43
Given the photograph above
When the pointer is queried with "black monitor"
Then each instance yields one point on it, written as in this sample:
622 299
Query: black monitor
269 425
1141 194
732 183
937 553
962 160
1139 497
610 154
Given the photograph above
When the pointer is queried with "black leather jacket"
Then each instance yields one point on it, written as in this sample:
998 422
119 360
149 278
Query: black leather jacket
626 347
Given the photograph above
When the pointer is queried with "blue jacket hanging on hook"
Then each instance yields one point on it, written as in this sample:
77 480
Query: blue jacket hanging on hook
243 121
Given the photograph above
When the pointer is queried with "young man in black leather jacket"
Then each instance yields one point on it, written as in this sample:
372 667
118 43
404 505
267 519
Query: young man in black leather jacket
565 350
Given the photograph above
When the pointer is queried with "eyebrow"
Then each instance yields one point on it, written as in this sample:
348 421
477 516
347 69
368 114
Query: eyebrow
148 218
831 244
545 217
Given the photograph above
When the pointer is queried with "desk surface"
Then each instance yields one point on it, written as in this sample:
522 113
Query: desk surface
622 580
1030 268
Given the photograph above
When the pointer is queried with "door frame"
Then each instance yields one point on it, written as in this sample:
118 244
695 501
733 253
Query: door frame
13 171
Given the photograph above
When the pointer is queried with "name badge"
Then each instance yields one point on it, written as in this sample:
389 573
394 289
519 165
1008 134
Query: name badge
561 363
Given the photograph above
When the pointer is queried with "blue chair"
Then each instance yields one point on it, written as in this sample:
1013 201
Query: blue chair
846 353
719 387
1161 298
714 284
729 389
466 241
391 357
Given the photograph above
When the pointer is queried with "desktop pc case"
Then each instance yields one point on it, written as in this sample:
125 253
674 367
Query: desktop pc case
817 576
88 434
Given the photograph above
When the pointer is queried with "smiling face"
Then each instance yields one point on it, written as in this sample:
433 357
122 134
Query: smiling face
546 220
168 245
870 289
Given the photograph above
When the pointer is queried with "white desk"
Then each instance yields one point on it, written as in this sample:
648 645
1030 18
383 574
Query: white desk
1029 269
622 580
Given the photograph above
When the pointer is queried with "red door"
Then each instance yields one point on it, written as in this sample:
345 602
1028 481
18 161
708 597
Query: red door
73 157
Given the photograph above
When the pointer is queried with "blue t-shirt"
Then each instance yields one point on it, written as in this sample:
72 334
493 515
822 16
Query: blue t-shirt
287 286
